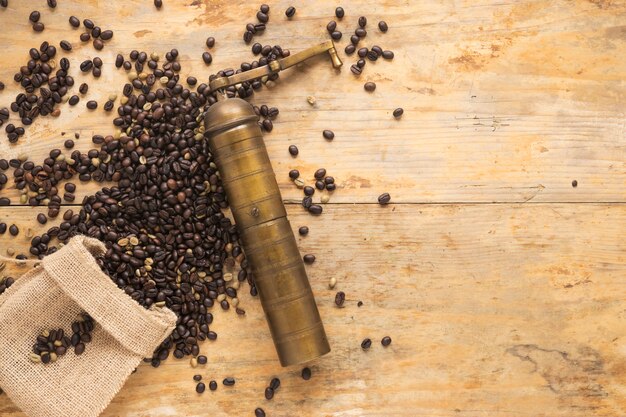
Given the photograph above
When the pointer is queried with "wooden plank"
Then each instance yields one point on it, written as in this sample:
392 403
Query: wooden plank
504 102
494 310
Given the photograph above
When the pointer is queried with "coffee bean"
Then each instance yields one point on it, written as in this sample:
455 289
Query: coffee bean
86 65
306 373
293 150
3 228
108 105
34 16
52 4
247 36
5 201
369 86
294 173
66 46
382 25
362 21
202 360
42 219
73 100
336 35
316 209
88 23
308 258
349 50
4 164
158 3
262 17
74 21
360 32
92 104
269 393
290 12
97 62
328 134
387 54
366 343
275 383
340 298
79 349
106 35
207 58
574 183
339 12
200 388
303 230
356 70
308 190
229 382
212 385
384 198
268 125
4 3
83 88
197 378
386 341
14 230
307 202
258 412
98 44
320 185
38 27
331 26
362 52
320 173
84 37
256 48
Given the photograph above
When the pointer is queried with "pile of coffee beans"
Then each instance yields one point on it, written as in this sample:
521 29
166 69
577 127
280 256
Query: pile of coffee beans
92 31
52 344
255 28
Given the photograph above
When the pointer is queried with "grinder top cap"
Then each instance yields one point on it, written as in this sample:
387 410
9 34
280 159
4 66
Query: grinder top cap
228 113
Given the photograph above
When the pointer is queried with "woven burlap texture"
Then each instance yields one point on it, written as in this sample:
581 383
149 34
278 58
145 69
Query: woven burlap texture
53 295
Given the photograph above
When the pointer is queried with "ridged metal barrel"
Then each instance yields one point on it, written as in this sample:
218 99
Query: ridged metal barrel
236 141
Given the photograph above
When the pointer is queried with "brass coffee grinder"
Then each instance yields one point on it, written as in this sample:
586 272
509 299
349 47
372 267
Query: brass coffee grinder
236 141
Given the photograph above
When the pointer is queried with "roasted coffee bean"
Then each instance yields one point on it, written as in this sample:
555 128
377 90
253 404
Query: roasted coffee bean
200 388
98 44
328 134
386 341
293 150
362 21
84 37
356 70
97 62
229 382
265 8
308 190
372 55
307 202
369 86
247 36
210 42
38 27
52 4
360 32
86 65
5 201
83 88
316 209
387 54
349 50
366 343
382 25
336 35
66 46
256 48
294 173
92 104
212 385
42 219
106 35
320 173
207 58
272 112
269 393
331 187
308 258
331 26
306 373
340 298
197 378
119 61
4 164
4 3
384 198
377 50
268 125
339 12
74 21
262 17
68 144
202 360
290 12
303 230
158 3
259 412
14 230
3 228
34 16
88 23
362 52
397 113
275 383
320 185
108 105
73 100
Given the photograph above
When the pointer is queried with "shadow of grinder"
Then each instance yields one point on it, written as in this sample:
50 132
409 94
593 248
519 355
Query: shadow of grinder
236 142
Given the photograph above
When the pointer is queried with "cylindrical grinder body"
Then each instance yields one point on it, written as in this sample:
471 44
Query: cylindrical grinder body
236 141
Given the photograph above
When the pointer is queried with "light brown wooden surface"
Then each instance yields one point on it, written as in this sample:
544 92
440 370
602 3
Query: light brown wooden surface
507 309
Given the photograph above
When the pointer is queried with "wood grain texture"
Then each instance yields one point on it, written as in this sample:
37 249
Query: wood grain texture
508 310
505 310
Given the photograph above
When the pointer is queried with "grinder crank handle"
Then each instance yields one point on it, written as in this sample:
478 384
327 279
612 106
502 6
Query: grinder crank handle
278 65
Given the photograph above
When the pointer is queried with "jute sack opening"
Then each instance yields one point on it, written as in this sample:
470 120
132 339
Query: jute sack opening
51 296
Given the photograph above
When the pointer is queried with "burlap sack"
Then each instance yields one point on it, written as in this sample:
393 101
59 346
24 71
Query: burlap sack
51 296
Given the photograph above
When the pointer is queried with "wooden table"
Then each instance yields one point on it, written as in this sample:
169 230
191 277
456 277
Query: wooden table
501 284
